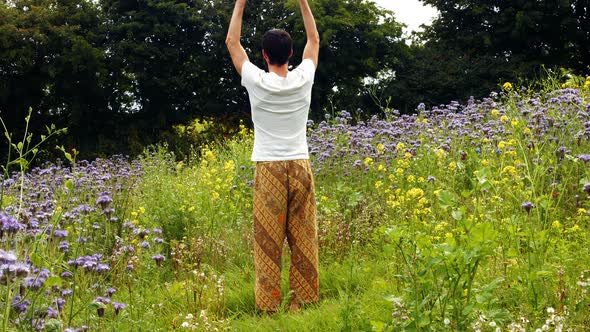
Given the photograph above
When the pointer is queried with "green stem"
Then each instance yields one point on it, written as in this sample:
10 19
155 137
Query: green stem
7 308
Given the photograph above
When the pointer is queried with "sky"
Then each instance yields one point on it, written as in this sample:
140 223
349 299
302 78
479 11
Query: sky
411 12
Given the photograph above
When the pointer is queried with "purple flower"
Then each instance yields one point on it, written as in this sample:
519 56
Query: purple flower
36 282
158 240
118 307
111 291
66 274
584 157
66 292
15 270
9 224
145 245
587 188
104 199
60 233
159 258
64 246
7 257
527 206
102 299
60 303
19 304
52 313
102 268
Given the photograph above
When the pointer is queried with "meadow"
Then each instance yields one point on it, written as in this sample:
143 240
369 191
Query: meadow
463 217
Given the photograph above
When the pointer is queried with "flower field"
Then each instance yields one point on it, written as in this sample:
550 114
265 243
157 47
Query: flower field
464 217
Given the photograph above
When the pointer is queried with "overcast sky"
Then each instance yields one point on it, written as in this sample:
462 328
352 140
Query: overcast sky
411 12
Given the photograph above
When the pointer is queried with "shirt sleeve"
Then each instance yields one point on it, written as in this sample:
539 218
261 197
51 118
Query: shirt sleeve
249 74
308 69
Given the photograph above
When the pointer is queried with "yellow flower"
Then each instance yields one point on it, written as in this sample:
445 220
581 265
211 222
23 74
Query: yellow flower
368 161
399 171
514 123
415 193
408 155
504 118
421 180
141 210
452 166
209 155
502 145
382 168
509 170
556 224
380 148
507 86
440 153
495 112
411 179
582 212
527 131
214 195
378 184
400 146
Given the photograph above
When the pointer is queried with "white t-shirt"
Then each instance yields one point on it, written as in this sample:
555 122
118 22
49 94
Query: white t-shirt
280 106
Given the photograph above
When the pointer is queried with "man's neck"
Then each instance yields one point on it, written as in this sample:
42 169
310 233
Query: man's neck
282 71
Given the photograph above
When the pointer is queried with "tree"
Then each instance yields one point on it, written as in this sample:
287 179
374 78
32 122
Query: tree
477 44
51 59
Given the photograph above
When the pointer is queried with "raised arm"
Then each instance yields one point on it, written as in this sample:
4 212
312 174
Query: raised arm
234 33
312 48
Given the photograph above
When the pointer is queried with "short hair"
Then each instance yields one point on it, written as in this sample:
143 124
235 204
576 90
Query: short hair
278 45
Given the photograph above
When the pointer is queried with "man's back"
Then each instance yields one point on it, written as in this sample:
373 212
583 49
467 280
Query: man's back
280 107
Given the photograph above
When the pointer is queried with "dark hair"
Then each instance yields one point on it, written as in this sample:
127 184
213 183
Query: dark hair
278 45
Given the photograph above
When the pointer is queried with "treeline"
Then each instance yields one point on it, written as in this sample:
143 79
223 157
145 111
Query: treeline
120 73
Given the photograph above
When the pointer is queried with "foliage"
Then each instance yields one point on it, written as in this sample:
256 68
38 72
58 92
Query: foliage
473 45
121 74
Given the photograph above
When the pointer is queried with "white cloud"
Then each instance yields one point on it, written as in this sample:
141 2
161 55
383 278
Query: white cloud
411 12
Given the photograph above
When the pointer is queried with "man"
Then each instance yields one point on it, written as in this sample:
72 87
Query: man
284 199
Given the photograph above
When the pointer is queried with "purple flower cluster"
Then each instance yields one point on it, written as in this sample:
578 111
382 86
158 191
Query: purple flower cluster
9 224
340 144
90 263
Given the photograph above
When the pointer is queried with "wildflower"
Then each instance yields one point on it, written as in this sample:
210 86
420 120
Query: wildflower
159 258
507 86
7 257
118 307
104 199
495 112
587 188
527 206
60 233
64 246
368 161
19 305
145 245
9 224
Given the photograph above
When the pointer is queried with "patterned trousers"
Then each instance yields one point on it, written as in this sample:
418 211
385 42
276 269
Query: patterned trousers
284 207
